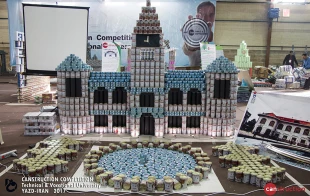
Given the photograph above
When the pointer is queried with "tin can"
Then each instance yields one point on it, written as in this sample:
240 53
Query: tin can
118 183
134 184
64 166
87 168
58 168
168 185
231 175
51 168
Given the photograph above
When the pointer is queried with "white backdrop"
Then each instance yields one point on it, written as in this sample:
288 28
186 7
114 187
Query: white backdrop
52 34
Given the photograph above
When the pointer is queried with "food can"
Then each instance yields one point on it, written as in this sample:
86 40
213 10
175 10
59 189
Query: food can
222 161
190 173
205 172
215 151
118 183
73 155
231 175
68 155
246 177
196 177
61 156
32 173
238 176
93 173
87 167
253 179
103 179
150 185
65 166
51 168
57 167
168 185
259 179
134 184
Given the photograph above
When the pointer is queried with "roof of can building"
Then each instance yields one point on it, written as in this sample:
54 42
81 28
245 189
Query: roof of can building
73 63
222 65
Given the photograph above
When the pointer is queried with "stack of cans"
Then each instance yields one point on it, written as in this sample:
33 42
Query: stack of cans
221 98
72 77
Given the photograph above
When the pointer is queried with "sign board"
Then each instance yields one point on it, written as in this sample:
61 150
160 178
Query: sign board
208 54
110 57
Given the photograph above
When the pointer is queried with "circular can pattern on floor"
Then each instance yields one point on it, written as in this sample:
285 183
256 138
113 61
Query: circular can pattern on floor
195 31
146 162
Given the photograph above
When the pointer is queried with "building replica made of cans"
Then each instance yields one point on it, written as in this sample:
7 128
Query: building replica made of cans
148 100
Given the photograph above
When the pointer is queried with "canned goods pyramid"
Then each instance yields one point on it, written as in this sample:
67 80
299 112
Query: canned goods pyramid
73 63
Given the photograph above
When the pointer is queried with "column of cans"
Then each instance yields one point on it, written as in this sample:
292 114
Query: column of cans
166 131
137 100
132 100
132 126
218 112
183 124
162 69
152 74
185 109
161 127
127 124
133 74
156 127
137 125
208 100
147 78
110 124
61 102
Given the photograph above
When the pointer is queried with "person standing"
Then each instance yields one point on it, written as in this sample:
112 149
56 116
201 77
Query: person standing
290 59
205 11
306 65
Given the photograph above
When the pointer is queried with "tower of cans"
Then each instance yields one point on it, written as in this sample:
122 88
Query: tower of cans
221 97
147 74
242 59
72 89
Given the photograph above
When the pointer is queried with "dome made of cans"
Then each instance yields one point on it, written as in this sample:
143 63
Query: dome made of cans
73 63
222 65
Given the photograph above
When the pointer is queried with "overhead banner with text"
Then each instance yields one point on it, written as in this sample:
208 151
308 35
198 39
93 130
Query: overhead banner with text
114 21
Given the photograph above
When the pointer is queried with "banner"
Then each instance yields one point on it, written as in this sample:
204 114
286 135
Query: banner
110 57
277 117
208 54
113 21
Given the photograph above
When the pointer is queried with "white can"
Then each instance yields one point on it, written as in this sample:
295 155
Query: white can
231 175
246 178
196 177
58 168
168 185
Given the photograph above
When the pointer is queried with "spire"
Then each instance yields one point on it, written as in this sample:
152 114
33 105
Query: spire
148 22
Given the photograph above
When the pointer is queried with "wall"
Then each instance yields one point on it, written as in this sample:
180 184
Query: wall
287 32
4 32
253 29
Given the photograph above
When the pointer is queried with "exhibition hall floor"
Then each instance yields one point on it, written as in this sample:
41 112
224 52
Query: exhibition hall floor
12 132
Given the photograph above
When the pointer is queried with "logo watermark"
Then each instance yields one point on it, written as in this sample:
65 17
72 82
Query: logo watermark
10 185
271 189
